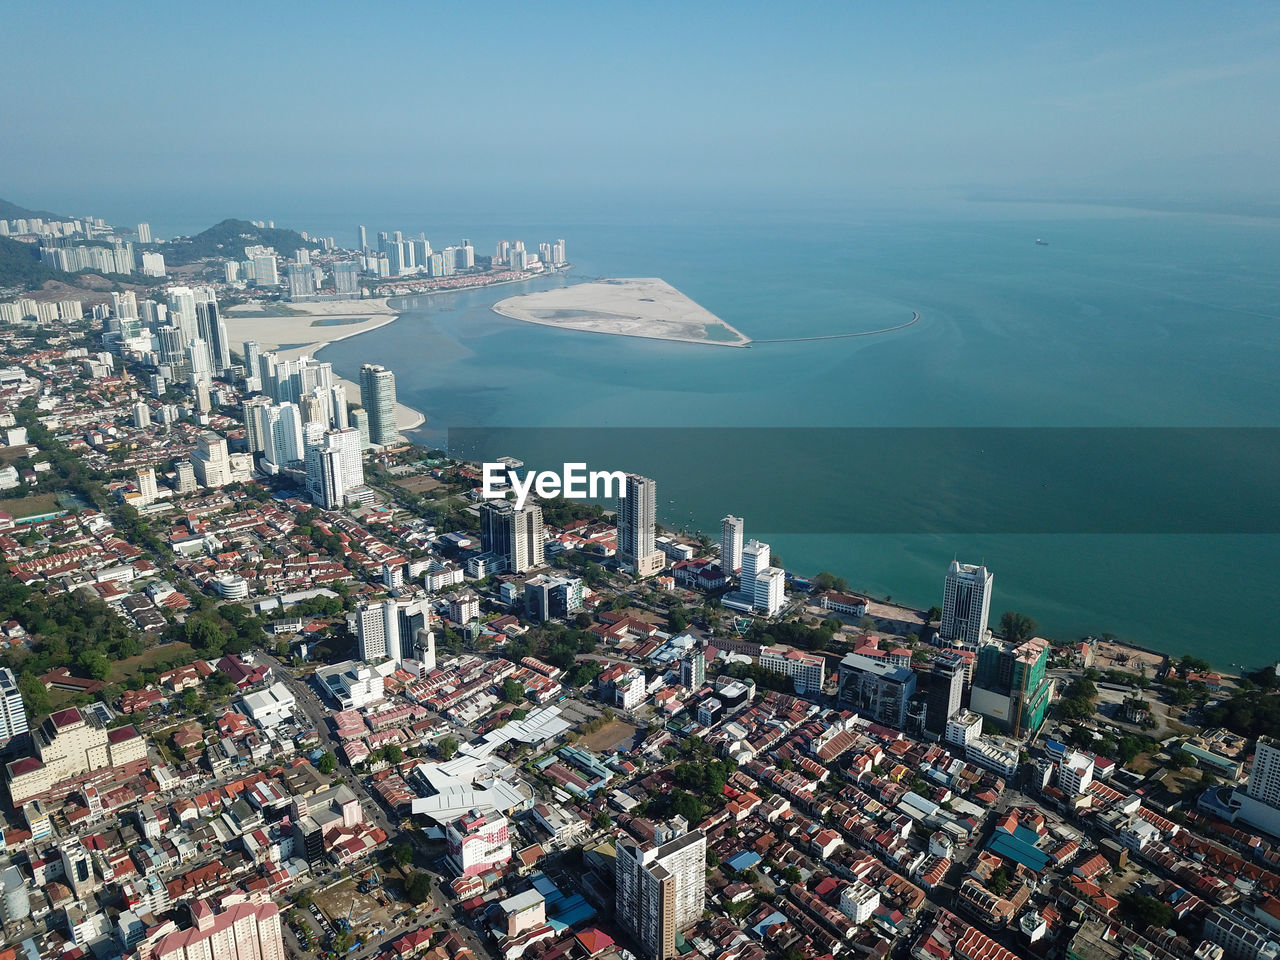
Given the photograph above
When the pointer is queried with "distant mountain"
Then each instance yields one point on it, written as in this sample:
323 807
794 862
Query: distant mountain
228 239
11 211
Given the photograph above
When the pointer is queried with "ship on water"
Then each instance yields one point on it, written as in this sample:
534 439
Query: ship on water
1041 243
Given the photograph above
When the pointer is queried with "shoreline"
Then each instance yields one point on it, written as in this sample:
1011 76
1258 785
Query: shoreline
272 333
647 308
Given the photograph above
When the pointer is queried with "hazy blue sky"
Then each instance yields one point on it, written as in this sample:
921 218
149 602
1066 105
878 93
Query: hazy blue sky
766 100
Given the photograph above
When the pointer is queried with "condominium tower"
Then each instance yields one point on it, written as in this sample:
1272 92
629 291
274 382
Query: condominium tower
378 397
662 891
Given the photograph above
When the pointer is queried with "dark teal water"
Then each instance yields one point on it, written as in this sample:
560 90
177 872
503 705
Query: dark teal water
1124 319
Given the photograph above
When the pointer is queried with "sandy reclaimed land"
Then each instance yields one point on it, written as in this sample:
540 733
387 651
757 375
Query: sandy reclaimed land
301 337
634 307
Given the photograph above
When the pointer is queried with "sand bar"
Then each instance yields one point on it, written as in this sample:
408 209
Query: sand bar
308 328
634 307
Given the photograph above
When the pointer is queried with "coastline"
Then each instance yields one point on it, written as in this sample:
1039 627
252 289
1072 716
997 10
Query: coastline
648 308
282 334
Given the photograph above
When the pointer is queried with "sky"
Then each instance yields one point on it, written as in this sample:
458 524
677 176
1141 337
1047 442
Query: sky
768 100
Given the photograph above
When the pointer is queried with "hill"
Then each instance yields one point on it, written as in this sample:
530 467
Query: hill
20 265
228 239
11 211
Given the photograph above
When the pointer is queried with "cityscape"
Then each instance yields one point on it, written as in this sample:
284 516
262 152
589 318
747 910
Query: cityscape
389 569
280 681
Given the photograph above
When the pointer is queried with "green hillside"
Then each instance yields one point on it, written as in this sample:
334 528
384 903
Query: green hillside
228 239
20 266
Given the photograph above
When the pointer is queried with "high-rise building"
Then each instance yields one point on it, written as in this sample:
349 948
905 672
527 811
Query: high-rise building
477 842
966 604
144 233
153 264
359 417
212 329
362 238
338 407
334 467
211 462
637 526
201 361
731 545
146 478
346 278
693 670
769 591
184 477
549 597
395 629
1011 685
251 352
243 931
281 433
13 715
1264 777
378 397
755 558
944 690
182 310
661 891
141 415
877 689
265 272
301 279
516 537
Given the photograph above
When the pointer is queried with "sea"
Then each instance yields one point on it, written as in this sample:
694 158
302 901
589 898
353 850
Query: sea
1120 321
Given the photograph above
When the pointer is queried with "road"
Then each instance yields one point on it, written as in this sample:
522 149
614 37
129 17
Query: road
441 910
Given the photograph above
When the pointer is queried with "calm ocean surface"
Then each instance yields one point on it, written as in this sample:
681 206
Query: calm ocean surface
1126 319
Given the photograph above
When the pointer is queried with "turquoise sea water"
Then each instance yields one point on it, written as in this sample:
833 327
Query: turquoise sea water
1124 319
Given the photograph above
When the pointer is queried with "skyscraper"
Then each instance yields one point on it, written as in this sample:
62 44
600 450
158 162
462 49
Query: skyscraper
147 485
517 536
394 629
265 272
182 307
731 545
13 715
281 433
346 278
212 330
966 603
943 690
378 397
302 281
210 461
637 520
661 891
1011 685
362 238
755 558
144 233
334 467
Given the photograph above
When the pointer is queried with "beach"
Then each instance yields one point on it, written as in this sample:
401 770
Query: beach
308 328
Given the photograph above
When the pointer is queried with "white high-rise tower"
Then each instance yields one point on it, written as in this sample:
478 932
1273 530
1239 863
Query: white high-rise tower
966 604
731 545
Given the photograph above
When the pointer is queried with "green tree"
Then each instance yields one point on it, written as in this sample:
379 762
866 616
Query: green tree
601 820
1016 627
418 888
934 615
327 763
394 754
403 853
512 691
1146 911
446 747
